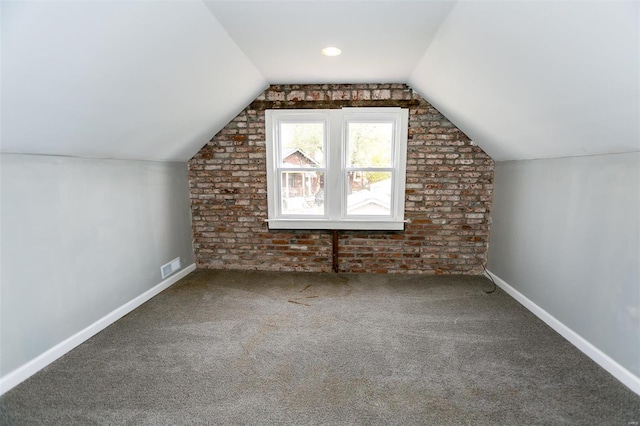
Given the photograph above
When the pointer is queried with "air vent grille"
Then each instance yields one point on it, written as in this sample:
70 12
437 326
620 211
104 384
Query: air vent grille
169 268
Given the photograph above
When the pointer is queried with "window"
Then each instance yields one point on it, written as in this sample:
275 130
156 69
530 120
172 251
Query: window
336 169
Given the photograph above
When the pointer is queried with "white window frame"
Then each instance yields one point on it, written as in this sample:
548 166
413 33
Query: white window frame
335 168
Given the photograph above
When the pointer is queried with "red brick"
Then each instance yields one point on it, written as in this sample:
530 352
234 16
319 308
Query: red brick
448 199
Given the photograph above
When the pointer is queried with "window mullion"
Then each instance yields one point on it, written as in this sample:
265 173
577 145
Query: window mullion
334 180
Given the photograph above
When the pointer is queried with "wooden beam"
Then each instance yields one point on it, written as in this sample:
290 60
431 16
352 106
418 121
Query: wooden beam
335 266
402 103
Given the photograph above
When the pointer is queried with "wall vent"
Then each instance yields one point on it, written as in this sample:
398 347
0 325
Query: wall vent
169 268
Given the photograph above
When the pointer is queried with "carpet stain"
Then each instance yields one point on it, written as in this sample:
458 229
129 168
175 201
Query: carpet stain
257 339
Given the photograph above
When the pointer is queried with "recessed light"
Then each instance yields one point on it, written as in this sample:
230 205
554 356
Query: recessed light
331 51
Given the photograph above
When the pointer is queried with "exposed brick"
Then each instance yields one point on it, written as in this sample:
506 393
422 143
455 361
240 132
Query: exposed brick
448 199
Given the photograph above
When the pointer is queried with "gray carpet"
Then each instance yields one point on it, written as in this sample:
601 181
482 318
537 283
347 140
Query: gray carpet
224 347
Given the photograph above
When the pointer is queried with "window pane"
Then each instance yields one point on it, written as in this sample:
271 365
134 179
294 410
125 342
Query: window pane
302 144
369 193
370 144
302 193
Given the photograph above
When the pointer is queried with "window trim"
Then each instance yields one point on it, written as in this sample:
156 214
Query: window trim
335 168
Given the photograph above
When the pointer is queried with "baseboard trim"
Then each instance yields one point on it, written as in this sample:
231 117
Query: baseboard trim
27 370
605 361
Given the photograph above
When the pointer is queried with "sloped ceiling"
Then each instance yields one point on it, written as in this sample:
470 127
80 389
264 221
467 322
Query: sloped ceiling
156 79
528 80
122 79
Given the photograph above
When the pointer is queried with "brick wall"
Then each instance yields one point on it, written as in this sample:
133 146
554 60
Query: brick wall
448 194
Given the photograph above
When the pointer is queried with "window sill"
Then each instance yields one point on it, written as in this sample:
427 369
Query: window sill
356 224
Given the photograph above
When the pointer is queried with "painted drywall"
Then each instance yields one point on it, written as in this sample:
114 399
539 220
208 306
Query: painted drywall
529 80
566 234
81 238
145 80
157 79
381 41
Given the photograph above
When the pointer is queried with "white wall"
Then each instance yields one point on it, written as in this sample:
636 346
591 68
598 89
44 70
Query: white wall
566 234
81 238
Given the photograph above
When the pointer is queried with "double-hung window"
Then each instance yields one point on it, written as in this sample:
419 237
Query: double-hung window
336 169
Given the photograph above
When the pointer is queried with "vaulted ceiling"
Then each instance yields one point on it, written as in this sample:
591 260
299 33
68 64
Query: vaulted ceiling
155 80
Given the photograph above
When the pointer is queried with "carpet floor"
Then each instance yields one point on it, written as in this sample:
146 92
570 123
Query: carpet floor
230 347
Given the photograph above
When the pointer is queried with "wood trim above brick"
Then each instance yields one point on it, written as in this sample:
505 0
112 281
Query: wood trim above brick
331 104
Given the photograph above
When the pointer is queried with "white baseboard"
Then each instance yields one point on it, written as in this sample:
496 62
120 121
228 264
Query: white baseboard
605 361
30 368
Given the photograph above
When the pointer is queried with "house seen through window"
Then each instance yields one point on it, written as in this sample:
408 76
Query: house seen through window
336 169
